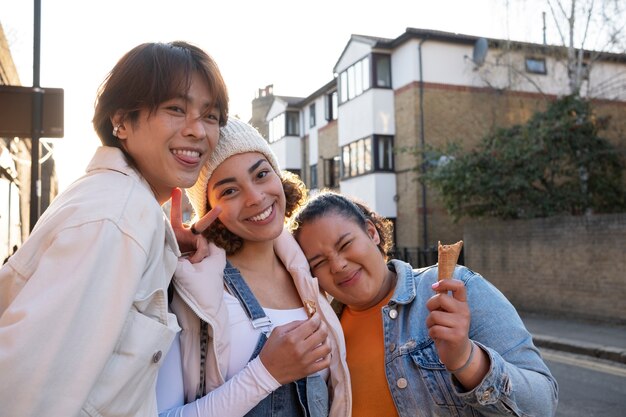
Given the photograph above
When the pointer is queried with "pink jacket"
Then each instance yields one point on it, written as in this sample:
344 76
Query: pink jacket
199 298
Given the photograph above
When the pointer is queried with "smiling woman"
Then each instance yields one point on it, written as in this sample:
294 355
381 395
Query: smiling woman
265 354
433 345
103 254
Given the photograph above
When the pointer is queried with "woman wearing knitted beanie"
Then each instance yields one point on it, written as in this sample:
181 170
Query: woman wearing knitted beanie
258 338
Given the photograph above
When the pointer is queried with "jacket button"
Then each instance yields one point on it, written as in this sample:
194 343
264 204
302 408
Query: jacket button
156 357
393 313
392 347
401 383
487 394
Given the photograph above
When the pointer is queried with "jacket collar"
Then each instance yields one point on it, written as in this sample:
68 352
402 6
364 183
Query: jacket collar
293 258
113 159
405 286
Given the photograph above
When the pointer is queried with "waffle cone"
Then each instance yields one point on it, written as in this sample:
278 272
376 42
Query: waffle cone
448 257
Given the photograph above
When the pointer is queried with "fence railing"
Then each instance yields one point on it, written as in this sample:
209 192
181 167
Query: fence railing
419 257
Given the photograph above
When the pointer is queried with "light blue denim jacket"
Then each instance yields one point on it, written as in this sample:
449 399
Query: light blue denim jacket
518 382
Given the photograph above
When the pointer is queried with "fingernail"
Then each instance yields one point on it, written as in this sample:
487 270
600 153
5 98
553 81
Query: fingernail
435 285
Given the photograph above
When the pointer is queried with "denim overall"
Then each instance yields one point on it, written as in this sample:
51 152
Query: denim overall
307 397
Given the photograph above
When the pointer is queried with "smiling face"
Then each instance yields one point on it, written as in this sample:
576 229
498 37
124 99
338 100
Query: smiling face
170 145
346 259
251 196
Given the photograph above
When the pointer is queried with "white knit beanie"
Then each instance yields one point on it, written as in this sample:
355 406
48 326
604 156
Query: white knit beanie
235 138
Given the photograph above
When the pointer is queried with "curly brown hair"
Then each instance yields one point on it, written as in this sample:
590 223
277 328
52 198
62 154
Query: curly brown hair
329 202
295 196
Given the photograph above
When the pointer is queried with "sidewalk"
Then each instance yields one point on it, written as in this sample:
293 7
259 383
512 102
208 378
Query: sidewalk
600 340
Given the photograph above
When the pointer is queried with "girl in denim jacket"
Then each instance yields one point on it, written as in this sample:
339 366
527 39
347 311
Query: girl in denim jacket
416 346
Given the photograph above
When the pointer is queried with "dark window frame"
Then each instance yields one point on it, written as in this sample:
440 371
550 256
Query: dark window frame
313 180
330 106
376 59
332 171
379 165
292 123
531 69
348 77
312 115
363 156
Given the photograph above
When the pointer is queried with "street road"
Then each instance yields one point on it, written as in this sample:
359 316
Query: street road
588 387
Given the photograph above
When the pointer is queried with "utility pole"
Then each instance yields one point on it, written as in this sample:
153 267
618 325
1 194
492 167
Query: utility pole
37 115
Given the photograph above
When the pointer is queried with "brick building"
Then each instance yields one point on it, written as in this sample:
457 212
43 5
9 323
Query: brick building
422 88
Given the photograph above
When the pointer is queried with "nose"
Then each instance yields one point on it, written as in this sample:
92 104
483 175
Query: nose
194 128
255 196
337 264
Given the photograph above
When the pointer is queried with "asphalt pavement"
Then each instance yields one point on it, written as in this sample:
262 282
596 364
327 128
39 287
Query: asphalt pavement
585 337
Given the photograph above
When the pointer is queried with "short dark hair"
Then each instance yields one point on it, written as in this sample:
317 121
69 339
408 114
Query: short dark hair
329 202
150 74
295 195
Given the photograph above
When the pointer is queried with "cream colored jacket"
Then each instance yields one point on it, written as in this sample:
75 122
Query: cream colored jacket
200 298
84 323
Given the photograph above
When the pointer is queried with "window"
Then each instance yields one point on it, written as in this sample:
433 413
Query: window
382 71
312 115
332 171
359 77
370 154
384 153
292 124
285 124
277 128
357 157
343 85
354 80
330 109
313 176
345 162
336 171
536 66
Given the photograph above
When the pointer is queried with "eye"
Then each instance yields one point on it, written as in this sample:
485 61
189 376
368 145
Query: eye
263 173
227 192
345 245
174 108
212 116
318 264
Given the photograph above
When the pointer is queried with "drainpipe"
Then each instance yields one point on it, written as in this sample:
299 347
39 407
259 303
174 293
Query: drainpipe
422 145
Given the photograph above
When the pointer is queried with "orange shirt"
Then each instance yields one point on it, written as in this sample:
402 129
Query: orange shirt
365 346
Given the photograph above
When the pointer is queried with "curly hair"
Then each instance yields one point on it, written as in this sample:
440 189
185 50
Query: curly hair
295 196
329 202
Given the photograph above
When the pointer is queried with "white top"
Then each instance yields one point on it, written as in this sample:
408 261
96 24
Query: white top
243 339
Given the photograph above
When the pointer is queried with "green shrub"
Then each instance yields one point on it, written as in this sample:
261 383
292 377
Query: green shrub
554 164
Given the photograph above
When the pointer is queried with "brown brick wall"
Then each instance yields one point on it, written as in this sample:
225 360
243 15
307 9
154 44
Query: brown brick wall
573 266
457 113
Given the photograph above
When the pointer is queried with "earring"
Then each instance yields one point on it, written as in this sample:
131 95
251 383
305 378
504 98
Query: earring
116 128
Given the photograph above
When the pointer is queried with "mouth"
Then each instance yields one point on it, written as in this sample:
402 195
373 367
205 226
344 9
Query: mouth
187 156
349 279
263 215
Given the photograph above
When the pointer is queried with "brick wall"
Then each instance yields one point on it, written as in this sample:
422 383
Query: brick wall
570 265
451 113
458 113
